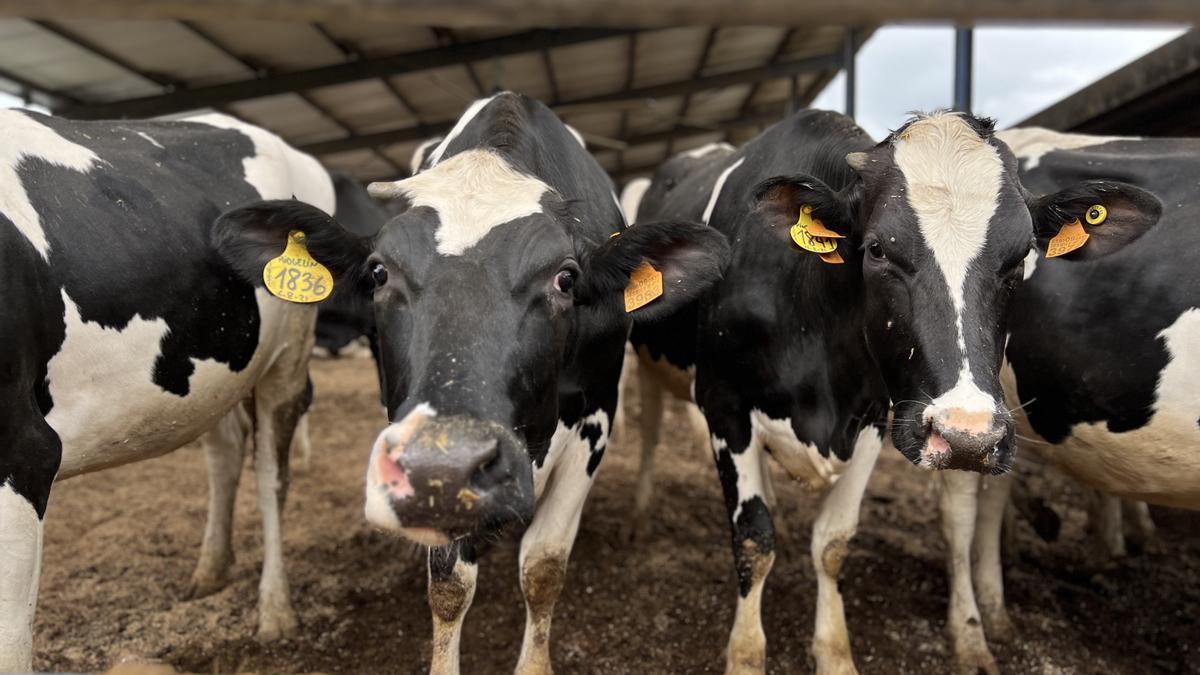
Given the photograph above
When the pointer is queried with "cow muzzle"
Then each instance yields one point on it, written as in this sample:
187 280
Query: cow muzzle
434 479
968 440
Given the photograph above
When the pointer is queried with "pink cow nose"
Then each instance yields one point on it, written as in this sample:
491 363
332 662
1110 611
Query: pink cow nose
963 439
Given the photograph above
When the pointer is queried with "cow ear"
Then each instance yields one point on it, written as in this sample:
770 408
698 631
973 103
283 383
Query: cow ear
784 201
1092 219
249 237
690 257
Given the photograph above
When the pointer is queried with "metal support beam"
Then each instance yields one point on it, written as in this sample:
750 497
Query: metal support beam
849 52
459 13
341 73
621 98
963 56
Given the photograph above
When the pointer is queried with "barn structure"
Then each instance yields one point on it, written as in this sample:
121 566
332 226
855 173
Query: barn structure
360 83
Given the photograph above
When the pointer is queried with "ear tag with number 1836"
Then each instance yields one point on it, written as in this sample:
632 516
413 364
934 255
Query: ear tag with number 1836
294 275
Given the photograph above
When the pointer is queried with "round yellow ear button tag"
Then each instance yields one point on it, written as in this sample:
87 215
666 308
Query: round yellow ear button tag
295 276
1096 214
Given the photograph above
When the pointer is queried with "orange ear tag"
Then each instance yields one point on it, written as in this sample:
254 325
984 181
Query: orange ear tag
1070 237
811 235
645 286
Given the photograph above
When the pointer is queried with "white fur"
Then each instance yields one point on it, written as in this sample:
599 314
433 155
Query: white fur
473 192
23 138
1157 463
803 461
631 197
1030 143
459 127
151 140
377 508
1031 261
707 149
20 566
418 156
448 634
716 191
578 136
953 182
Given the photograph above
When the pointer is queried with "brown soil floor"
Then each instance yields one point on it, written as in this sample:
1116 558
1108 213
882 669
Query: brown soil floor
120 546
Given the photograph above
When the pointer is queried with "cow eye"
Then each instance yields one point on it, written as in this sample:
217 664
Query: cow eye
564 281
875 250
379 274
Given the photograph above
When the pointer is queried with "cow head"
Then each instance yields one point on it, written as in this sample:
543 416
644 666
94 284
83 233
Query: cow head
940 225
496 302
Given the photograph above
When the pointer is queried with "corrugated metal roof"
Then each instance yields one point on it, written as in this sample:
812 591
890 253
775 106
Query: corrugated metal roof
664 100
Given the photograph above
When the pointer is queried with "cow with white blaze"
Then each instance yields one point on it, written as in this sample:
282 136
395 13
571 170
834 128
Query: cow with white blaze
1102 354
863 277
498 300
125 335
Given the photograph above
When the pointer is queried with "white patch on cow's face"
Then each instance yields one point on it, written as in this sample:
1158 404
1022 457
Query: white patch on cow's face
436 156
631 197
1156 463
472 193
1030 143
418 156
277 170
716 192
578 136
22 137
377 507
1031 260
707 149
953 182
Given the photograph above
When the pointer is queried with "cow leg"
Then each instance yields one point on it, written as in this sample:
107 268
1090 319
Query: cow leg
301 450
989 573
835 526
1106 527
278 403
545 548
651 393
958 503
1140 524
224 448
30 453
743 476
453 572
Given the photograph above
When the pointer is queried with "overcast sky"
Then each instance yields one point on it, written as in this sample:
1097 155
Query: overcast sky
1018 70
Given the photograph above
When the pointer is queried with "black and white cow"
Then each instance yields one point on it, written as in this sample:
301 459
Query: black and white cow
498 300
125 335
801 357
1101 354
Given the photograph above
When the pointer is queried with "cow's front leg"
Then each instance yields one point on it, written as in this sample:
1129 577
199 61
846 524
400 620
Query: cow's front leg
988 569
224 448
958 503
453 572
546 546
276 413
30 453
832 531
740 467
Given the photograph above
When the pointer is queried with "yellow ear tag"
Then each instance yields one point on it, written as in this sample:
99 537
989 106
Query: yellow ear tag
645 285
294 275
811 234
1070 237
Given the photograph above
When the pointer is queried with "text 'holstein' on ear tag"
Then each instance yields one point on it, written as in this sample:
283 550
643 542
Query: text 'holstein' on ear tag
645 286
1070 237
294 275
811 234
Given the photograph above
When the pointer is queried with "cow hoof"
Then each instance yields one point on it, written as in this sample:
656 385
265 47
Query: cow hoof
278 624
833 660
976 662
998 627
634 530
203 585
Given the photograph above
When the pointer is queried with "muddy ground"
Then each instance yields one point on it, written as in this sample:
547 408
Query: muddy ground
120 546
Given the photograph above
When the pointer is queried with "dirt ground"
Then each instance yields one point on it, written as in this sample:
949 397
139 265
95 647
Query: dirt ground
120 546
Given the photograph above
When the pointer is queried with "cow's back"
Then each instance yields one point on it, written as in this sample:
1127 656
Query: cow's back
158 337
1103 351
